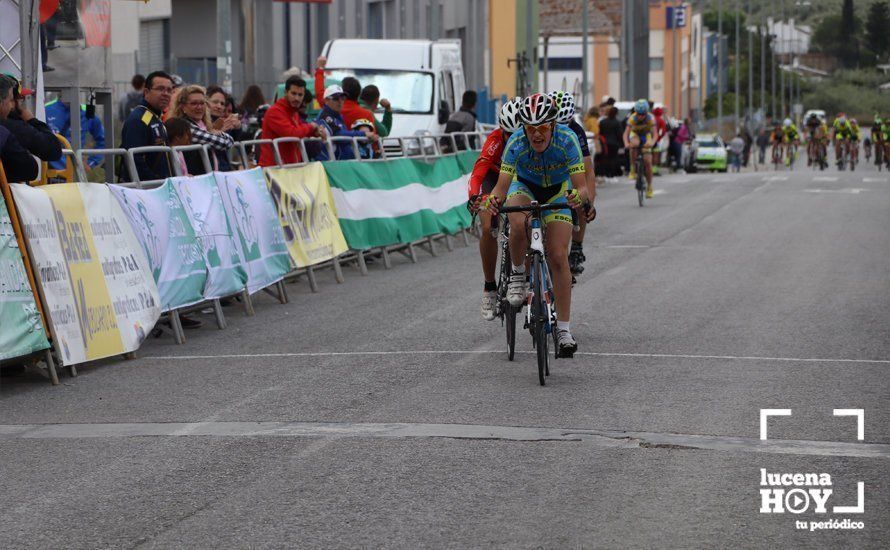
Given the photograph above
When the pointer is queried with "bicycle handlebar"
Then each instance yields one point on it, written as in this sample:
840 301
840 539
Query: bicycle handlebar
534 206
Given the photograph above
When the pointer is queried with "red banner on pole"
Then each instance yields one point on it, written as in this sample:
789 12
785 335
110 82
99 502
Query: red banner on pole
95 15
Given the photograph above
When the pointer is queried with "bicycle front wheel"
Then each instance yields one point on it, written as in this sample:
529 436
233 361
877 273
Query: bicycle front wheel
510 320
540 319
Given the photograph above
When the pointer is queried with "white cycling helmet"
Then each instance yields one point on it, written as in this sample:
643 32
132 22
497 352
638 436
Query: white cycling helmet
508 118
537 109
565 102
786 123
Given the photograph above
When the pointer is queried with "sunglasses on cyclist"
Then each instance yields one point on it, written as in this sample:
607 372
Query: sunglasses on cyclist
537 128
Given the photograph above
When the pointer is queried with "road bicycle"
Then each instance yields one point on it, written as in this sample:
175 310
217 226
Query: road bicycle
505 312
777 151
540 317
640 168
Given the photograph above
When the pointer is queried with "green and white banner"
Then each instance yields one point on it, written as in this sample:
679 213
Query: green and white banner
254 218
21 330
203 203
401 200
171 247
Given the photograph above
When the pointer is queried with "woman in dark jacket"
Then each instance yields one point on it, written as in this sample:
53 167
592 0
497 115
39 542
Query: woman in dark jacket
610 130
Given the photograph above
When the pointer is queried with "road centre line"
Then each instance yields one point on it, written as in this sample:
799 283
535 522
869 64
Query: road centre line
401 430
485 352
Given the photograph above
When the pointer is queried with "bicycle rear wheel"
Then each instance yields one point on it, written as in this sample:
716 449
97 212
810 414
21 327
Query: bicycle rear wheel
539 318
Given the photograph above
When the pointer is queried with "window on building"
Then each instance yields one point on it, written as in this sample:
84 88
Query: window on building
561 63
656 63
614 64
154 46
375 20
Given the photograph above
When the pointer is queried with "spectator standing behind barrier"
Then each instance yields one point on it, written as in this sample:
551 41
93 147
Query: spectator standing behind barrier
737 148
352 111
191 105
35 136
283 120
250 104
131 99
144 128
18 163
464 120
613 136
222 121
179 133
370 99
332 120
762 144
58 117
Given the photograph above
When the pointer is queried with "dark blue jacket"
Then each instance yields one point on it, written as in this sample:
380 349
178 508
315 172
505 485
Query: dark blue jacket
18 163
143 128
334 124
58 117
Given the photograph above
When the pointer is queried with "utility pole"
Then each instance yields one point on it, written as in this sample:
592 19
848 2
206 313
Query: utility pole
584 60
782 71
763 65
719 64
737 65
750 116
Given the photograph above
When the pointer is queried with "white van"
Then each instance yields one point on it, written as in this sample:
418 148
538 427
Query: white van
423 79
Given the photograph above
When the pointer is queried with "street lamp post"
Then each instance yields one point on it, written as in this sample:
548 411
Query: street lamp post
781 70
750 65
737 65
719 63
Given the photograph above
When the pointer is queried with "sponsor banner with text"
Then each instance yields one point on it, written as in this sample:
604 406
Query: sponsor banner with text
258 235
100 295
204 205
21 329
307 214
175 256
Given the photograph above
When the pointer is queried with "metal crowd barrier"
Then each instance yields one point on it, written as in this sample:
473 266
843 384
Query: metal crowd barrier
422 147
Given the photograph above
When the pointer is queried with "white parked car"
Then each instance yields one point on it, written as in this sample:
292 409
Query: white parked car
710 153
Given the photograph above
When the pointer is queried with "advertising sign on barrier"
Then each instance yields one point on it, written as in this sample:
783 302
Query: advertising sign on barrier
203 203
100 294
171 247
307 213
402 200
21 329
252 215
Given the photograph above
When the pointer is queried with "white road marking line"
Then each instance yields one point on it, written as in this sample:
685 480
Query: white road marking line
825 178
483 352
404 430
627 246
875 180
775 178
659 192
850 191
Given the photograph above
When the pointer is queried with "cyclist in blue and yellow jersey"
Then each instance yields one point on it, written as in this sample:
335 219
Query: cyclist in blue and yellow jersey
841 132
791 140
639 133
543 163
565 102
855 138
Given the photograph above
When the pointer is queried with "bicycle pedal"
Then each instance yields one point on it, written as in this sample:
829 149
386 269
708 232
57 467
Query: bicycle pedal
565 354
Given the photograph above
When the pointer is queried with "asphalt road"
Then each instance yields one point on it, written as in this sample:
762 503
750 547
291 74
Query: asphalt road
383 412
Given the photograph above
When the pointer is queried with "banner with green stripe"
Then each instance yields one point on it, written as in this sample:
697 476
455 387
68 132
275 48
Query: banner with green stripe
400 200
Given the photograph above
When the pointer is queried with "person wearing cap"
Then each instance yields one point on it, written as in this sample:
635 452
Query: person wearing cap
17 162
283 119
34 135
331 119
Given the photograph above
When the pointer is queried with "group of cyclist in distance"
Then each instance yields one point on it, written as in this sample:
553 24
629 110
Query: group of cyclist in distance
844 134
540 153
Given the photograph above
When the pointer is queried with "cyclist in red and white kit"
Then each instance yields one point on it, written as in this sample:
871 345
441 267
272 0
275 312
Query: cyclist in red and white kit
482 181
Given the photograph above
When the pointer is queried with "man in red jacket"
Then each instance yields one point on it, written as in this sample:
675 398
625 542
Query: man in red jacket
283 120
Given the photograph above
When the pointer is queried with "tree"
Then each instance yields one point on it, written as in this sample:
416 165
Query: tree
877 29
848 45
827 35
